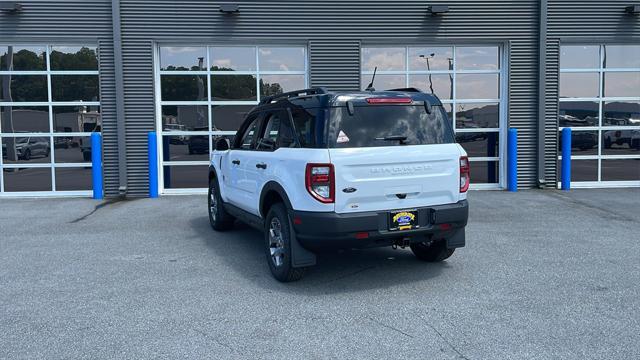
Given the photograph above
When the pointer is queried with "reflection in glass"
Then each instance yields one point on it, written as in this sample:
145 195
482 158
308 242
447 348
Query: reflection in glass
439 58
182 58
229 117
621 170
579 57
621 113
620 142
579 84
582 142
24 119
185 117
385 81
74 58
582 170
276 84
232 58
185 176
184 87
77 119
23 88
477 86
391 58
621 56
234 87
26 150
441 84
479 144
477 116
27 179
73 179
477 58
281 58
185 147
578 113
75 87
72 149
484 172
621 84
23 58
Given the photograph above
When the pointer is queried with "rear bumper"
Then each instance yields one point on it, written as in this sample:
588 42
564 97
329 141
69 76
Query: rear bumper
318 230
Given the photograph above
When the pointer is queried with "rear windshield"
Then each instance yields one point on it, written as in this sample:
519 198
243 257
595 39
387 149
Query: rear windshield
388 125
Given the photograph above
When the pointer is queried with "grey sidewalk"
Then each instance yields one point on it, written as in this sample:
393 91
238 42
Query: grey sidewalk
545 274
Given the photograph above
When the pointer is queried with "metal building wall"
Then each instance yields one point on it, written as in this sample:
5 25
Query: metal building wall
589 22
74 22
333 29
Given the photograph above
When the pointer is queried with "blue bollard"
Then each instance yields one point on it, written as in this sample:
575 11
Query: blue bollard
96 165
565 170
153 164
512 160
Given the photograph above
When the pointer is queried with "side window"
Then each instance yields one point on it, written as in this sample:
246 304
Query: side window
246 141
304 122
269 138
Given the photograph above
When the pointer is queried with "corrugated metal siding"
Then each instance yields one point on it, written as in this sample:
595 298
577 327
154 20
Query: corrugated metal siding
328 26
335 64
551 112
591 21
74 22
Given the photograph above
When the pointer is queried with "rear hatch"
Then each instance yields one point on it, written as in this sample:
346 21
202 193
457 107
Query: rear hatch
393 156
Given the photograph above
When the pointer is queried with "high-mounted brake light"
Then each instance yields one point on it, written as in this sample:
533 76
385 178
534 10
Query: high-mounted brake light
320 182
389 100
465 174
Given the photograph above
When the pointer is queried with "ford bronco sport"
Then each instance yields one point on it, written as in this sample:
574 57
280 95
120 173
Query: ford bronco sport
315 170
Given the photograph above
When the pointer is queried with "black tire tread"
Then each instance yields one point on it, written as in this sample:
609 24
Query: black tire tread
288 273
437 252
224 219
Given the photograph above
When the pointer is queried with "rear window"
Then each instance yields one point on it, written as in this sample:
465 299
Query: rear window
388 125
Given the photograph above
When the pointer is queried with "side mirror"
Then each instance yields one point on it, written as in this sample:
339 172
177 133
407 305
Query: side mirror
222 144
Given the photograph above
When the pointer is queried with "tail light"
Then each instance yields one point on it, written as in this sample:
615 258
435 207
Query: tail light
465 174
320 182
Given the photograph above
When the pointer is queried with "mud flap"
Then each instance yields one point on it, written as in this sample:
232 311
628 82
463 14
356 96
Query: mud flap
457 240
300 257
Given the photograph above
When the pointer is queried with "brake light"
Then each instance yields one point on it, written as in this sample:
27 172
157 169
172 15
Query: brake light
389 100
465 174
320 182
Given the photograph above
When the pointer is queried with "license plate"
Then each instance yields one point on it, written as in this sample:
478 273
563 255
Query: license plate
403 220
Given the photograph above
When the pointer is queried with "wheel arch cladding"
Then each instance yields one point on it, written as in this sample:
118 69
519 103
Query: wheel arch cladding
273 193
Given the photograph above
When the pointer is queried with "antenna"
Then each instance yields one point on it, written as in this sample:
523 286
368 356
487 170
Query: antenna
373 78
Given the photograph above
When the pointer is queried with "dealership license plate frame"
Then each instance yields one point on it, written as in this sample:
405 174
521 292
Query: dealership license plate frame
398 221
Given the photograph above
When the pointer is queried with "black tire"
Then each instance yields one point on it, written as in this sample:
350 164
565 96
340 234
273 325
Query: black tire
47 153
432 252
278 248
27 155
86 156
219 218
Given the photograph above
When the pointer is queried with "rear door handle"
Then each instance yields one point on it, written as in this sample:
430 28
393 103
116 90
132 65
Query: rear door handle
261 166
236 162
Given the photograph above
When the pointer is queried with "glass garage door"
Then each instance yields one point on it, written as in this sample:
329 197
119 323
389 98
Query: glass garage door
468 81
49 105
205 92
600 102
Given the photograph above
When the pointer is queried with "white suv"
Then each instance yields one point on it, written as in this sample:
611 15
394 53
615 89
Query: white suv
316 170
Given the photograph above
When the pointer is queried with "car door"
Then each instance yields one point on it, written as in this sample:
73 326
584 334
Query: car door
234 172
262 164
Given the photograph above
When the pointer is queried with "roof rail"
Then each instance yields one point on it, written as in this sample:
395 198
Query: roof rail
409 89
292 94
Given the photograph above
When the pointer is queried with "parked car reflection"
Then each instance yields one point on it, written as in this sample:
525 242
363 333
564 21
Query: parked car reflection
25 148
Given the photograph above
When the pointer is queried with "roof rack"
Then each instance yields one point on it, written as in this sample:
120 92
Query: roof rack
408 89
292 94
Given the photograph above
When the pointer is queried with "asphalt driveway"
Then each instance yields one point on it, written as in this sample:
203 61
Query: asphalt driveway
545 275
